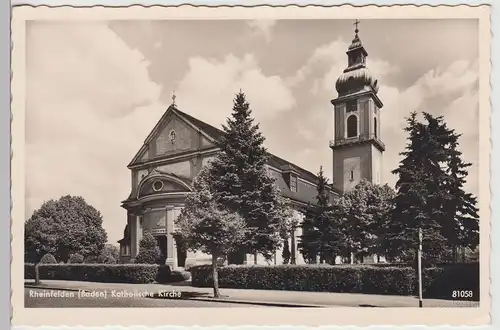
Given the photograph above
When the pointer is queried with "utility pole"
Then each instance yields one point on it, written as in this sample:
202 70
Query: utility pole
419 267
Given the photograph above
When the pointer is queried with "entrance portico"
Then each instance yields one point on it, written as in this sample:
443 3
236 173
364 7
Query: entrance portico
158 203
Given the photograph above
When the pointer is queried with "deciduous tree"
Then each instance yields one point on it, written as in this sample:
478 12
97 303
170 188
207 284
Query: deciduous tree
62 227
108 253
205 225
367 212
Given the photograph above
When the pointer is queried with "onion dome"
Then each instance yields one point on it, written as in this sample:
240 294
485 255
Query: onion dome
356 79
356 76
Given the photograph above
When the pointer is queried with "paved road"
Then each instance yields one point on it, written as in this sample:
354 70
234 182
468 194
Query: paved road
71 299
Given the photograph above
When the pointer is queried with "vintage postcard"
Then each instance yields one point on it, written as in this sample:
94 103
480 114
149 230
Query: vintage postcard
298 162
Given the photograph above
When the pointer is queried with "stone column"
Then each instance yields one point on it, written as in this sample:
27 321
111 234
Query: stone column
171 246
136 234
139 220
190 256
133 235
297 232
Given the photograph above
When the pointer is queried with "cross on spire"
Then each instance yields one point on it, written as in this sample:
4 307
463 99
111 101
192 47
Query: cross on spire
173 98
356 23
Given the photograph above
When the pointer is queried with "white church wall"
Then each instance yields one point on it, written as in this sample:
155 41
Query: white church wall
377 165
140 175
352 172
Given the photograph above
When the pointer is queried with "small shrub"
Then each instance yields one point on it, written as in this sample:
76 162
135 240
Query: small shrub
163 275
149 252
76 258
48 259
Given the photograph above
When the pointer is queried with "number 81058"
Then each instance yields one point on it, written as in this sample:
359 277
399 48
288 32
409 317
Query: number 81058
462 294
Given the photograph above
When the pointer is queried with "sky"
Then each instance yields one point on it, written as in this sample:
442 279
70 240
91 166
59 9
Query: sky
95 90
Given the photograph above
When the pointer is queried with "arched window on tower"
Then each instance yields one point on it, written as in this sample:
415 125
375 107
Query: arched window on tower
352 126
375 127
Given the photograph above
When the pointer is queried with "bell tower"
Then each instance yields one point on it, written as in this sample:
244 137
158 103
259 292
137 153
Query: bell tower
357 147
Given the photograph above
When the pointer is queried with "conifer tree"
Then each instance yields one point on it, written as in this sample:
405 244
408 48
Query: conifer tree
430 193
149 252
416 202
322 230
243 184
310 239
460 213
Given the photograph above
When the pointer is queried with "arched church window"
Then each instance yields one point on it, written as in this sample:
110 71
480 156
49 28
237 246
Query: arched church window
352 126
375 127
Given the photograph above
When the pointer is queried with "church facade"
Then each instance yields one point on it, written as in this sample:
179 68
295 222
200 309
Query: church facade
180 145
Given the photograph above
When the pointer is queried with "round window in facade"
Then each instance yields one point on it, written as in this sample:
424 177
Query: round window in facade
157 185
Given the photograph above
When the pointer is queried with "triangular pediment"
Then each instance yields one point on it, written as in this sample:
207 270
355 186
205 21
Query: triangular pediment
175 132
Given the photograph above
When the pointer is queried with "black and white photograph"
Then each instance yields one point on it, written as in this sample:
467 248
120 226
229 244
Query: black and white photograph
329 161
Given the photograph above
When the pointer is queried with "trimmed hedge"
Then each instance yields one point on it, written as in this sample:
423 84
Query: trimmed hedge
29 271
106 273
179 276
439 282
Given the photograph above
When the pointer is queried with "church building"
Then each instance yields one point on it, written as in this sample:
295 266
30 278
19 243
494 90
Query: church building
179 145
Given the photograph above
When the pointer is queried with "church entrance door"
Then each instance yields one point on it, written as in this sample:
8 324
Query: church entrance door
162 244
181 256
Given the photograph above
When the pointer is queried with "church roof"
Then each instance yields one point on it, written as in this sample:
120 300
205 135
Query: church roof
273 161
214 132
306 192
126 236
